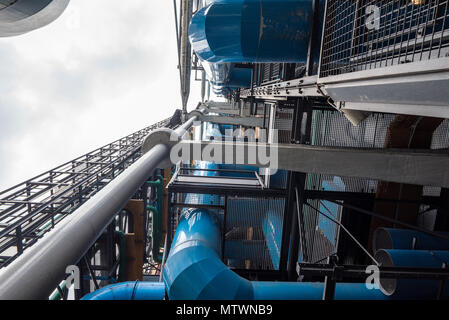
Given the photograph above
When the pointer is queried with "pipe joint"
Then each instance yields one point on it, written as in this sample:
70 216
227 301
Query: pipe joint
197 113
166 136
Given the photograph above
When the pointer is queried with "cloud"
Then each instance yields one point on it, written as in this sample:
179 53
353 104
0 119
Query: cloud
104 69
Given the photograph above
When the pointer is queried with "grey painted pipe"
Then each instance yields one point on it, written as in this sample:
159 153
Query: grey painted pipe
36 273
26 15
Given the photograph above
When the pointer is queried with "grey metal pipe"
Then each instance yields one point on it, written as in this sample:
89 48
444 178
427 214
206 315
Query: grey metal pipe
21 16
186 53
36 273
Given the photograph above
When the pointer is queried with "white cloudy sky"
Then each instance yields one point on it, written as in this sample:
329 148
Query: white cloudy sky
104 69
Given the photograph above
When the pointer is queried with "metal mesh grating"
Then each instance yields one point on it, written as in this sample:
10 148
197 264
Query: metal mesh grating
31 209
331 128
269 72
284 127
321 234
440 140
253 241
404 31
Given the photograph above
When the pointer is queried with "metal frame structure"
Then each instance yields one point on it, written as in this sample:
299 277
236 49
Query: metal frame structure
282 96
32 208
399 65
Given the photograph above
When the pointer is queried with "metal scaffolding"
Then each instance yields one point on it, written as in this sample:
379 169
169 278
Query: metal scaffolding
32 208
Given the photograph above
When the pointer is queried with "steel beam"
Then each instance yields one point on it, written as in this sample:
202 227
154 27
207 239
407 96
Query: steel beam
421 167
239 121
418 88
244 121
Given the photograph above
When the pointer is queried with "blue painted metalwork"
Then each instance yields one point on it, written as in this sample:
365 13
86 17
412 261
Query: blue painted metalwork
133 290
272 230
312 291
328 227
223 75
252 31
389 238
194 270
412 288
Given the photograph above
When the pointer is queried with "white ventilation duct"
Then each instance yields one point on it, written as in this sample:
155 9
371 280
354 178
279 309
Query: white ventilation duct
21 16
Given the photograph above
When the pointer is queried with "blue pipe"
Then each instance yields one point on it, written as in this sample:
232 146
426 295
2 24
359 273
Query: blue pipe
252 31
227 75
388 238
272 230
132 290
312 291
194 269
412 288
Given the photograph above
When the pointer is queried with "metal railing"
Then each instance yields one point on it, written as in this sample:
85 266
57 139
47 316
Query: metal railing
32 208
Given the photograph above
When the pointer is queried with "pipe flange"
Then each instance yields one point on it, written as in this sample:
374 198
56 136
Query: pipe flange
196 113
165 136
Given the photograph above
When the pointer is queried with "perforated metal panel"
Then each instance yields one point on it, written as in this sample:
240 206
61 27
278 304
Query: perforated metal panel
331 128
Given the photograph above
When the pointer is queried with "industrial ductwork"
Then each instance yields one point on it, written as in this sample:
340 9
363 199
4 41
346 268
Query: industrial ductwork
21 16
194 270
252 31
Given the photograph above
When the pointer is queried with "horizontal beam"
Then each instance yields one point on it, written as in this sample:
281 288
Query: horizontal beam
420 167
227 190
239 121
224 111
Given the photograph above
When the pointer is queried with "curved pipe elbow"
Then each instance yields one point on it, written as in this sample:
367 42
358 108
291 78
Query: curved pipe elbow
194 270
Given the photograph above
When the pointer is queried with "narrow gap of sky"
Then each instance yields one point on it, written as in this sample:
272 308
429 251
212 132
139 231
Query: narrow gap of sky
104 69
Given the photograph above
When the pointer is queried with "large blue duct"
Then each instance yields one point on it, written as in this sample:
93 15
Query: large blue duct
389 238
252 31
133 290
227 75
412 288
312 291
194 269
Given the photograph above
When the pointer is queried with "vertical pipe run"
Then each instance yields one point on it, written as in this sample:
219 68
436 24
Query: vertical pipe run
186 54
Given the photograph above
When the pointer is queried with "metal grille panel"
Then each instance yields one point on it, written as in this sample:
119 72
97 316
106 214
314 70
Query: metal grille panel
366 34
321 233
331 128
253 233
269 72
